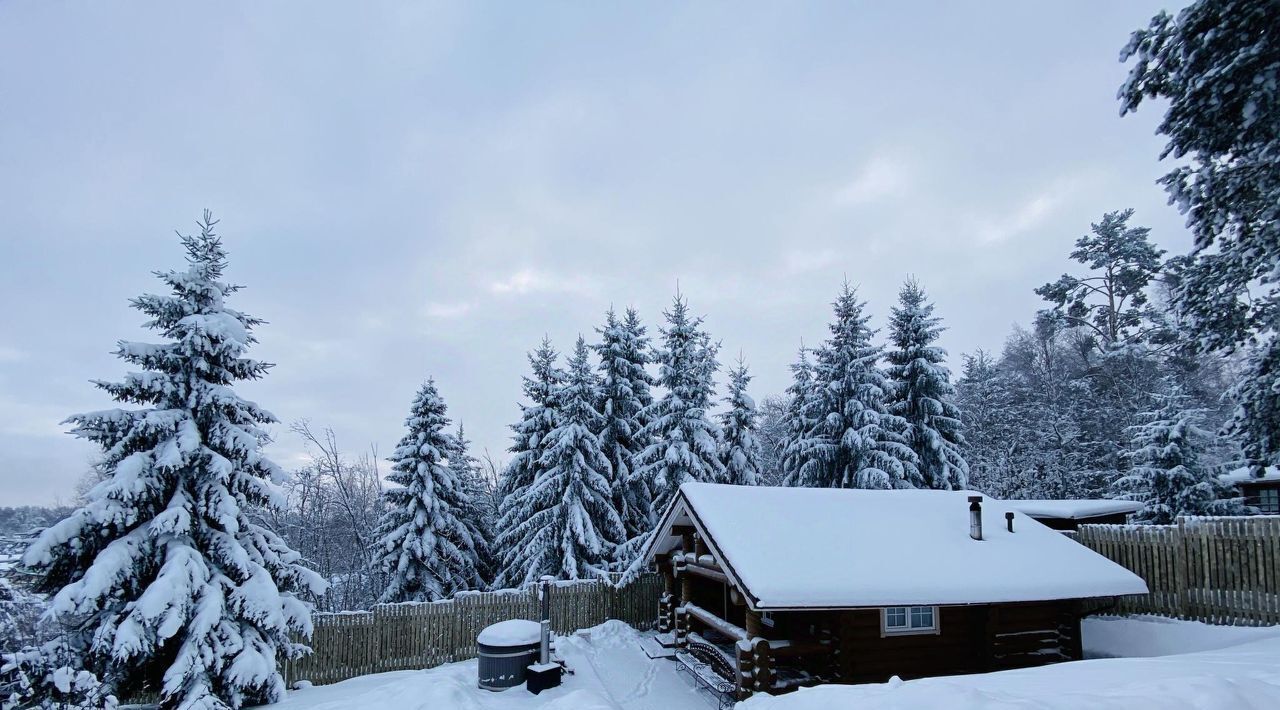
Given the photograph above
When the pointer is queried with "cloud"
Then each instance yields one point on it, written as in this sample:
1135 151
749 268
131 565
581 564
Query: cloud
804 261
529 280
8 354
447 311
22 418
1034 211
880 177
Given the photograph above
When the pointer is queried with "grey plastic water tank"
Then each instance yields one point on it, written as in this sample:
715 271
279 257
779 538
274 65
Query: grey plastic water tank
507 648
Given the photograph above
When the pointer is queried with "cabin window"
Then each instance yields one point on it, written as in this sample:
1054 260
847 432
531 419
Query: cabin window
909 620
1269 500
766 618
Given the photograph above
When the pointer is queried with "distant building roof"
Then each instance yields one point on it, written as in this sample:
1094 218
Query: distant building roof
816 548
1077 509
1241 475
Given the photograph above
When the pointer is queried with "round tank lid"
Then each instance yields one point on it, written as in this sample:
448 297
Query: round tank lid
512 632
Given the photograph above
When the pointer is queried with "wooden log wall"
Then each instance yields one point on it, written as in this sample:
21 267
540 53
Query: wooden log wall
1216 570
395 637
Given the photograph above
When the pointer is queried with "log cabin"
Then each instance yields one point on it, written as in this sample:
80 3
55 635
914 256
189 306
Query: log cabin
775 588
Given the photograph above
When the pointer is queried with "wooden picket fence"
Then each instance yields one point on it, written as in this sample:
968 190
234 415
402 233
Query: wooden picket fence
395 637
1217 570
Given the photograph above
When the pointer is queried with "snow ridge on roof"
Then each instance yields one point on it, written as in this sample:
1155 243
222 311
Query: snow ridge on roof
1244 475
837 548
1073 509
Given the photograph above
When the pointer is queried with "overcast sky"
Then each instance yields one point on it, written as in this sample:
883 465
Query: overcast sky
411 189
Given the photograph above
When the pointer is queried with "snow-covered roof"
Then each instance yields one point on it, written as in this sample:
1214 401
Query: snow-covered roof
815 548
1073 509
1242 475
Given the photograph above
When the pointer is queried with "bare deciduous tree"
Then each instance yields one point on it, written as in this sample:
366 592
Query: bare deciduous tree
334 504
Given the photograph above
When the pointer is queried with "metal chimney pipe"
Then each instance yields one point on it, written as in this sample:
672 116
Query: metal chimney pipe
975 517
544 646
1008 519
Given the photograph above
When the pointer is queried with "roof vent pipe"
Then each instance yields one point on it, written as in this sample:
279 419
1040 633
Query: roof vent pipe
1008 519
975 517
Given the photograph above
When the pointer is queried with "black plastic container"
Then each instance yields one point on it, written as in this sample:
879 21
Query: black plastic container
507 649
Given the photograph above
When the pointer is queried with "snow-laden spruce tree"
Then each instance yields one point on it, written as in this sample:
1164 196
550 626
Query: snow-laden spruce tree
163 581
478 513
1169 475
623 352
424 546
528 443
684 438
739 451
855 442
567 525
1213 68
922 392
796 422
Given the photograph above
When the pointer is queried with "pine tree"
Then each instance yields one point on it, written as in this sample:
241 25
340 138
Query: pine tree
529 443
684 439
1215 67
1109 302
424 546
922 392
739 451
163 580
476 514
1169 475
623 353
855 442
568 526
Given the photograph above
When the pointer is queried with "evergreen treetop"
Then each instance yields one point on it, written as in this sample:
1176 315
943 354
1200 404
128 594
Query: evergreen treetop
797 424
623 353
567 525
529 443
739 451
854 442
478 512
922 393
424 544
684 438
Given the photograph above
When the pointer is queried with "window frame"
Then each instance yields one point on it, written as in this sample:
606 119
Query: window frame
909 630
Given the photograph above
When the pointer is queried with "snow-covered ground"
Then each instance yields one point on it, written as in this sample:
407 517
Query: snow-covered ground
1242 672
1147 636
1166 665
610 673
